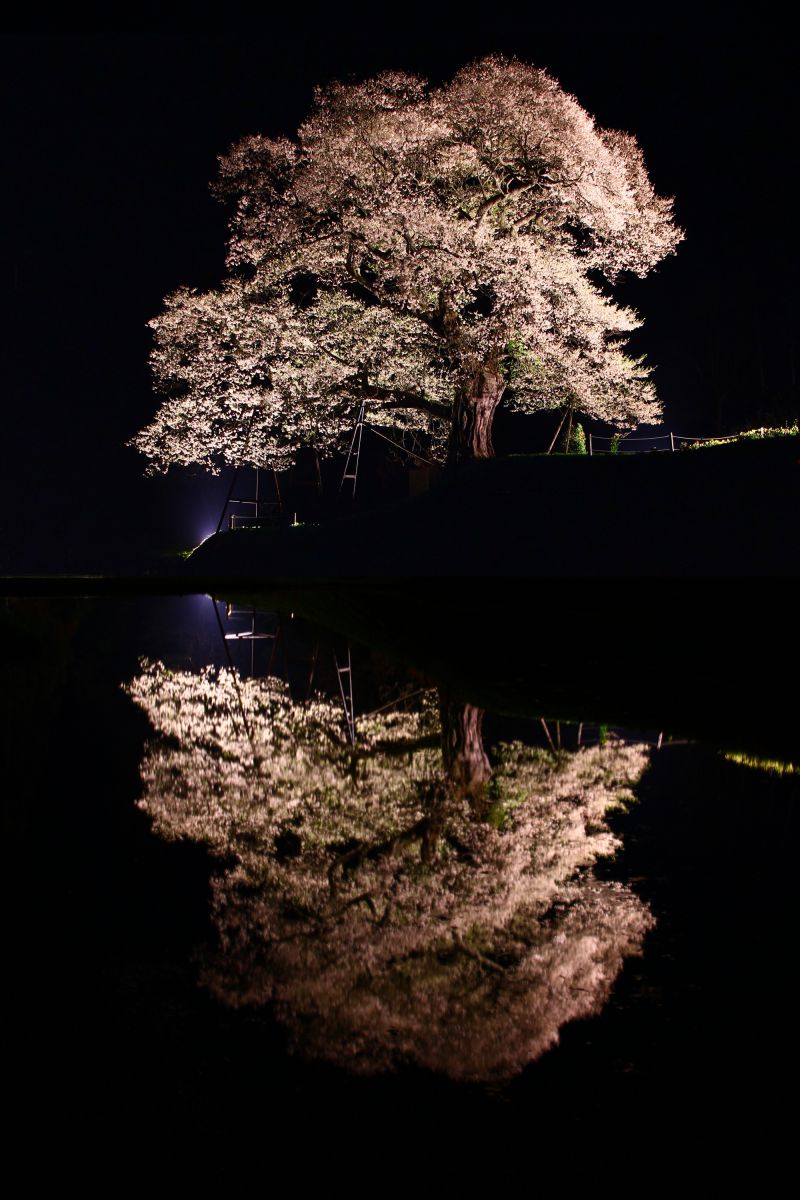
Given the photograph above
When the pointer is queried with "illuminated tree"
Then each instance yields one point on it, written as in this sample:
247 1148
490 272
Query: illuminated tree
400 900
429 251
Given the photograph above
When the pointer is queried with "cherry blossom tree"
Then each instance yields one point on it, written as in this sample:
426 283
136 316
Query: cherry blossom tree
429 251
401 899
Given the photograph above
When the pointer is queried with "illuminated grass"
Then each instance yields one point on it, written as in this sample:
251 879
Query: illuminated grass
746 435
773 765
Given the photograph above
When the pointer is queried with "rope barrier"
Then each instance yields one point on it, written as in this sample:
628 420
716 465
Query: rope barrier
399 446
602 437
392 703
664 437
727 437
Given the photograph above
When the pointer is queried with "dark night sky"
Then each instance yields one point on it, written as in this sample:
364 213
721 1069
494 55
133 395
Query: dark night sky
112 140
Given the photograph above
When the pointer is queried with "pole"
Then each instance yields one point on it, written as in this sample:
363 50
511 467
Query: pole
236 472
568 438
672 441
557 432
358 455
234 676
228 499
253 645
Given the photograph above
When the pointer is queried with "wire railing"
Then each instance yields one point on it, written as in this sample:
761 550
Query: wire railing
354 454
676 441
245 521
398 445
567 735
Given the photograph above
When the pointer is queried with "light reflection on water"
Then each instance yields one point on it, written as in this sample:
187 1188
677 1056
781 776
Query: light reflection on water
393 890
431 895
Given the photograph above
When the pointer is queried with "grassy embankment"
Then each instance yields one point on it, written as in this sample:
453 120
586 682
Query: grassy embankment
724 510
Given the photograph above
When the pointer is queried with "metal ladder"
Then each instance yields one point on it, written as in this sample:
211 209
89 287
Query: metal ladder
345 677
354 451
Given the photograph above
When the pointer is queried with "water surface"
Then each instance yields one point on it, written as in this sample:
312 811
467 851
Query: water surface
262 870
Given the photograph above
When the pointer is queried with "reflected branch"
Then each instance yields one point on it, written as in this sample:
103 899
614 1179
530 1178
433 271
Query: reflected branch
417 901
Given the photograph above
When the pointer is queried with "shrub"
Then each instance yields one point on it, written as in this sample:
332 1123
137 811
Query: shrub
577 442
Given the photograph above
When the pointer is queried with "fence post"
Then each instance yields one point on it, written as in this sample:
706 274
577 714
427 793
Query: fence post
590 445
672 442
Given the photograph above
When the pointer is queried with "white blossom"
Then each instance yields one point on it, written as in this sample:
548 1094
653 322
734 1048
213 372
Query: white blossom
411 242
364 894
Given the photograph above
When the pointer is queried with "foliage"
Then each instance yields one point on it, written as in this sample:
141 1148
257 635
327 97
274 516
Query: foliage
784 431
423 249
518 362
577 441
747 435
361 891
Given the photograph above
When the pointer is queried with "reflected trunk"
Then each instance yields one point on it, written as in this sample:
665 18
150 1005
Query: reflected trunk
466 772
465 760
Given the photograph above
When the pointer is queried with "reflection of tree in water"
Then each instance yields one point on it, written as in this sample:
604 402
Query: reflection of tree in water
401 899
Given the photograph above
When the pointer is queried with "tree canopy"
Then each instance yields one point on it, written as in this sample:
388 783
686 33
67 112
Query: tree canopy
430 251
400 899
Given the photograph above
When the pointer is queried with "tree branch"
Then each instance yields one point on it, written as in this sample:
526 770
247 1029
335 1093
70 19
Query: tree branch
512 190
400 310
475 955
410 400
364 851
428 741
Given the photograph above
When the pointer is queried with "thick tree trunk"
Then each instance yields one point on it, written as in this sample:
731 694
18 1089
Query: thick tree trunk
473 414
